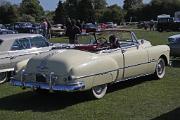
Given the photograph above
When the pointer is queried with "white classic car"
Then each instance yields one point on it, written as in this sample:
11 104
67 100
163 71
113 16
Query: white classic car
83 69
17 47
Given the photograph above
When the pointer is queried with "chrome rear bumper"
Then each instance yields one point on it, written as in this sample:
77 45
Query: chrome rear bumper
69 87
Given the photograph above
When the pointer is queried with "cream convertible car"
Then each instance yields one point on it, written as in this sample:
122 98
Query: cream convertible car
81 69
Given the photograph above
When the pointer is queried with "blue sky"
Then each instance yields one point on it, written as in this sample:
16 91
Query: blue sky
52 4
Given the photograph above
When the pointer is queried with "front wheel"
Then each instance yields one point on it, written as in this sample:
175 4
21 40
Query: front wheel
99 91
160 69
3 77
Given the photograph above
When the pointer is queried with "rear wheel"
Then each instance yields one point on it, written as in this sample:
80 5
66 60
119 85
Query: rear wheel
3 77
160 69
99 91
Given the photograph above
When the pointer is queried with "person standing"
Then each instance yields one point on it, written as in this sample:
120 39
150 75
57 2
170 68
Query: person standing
44 26
151 25
48 29
68 27
73 32
79 25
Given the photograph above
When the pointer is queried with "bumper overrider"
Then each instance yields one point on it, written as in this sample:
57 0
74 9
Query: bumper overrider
72 86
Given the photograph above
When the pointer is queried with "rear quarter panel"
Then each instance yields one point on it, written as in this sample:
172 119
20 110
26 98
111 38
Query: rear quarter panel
5 63
98 72
104 69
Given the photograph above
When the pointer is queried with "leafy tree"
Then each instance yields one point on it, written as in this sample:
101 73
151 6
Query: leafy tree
60 13
50 16
157 7
100 6
113 13
129 4
71 7
32 8
8 13
87 10
27 18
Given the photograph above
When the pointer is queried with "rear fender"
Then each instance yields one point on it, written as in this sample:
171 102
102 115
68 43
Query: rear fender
97 72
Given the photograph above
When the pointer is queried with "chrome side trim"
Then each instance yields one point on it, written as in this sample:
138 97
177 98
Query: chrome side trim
121 68
140 64
7 70
142 75
68 87
4 58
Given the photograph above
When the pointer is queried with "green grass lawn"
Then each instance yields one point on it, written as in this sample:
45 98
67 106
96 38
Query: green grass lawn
138 99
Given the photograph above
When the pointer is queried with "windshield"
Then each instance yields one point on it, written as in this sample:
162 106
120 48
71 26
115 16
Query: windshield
173 40
165 20
38 42
122 36
86 39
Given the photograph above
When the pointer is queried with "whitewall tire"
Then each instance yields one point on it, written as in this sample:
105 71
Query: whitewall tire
3 77
99 91
160 69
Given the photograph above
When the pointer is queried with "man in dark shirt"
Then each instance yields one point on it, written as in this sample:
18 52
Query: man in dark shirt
113 42
68 26
72 34
79 25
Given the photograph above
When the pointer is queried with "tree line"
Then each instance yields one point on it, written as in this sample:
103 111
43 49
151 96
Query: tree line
87 10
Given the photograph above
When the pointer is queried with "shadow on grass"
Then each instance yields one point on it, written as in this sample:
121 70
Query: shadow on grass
58 100
173 115
130 83
175 63
43 102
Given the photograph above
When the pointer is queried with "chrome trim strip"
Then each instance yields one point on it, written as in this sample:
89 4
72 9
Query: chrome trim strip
121 80
7 70
140 64
5 58
69 87
85 76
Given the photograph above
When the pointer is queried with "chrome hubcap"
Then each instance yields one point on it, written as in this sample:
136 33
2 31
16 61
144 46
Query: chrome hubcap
2 77
160 67
99 89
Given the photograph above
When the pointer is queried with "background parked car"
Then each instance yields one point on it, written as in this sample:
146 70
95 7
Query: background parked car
57 30
4 30
110 24
102 26
26 27
17 47
174 44
90 27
